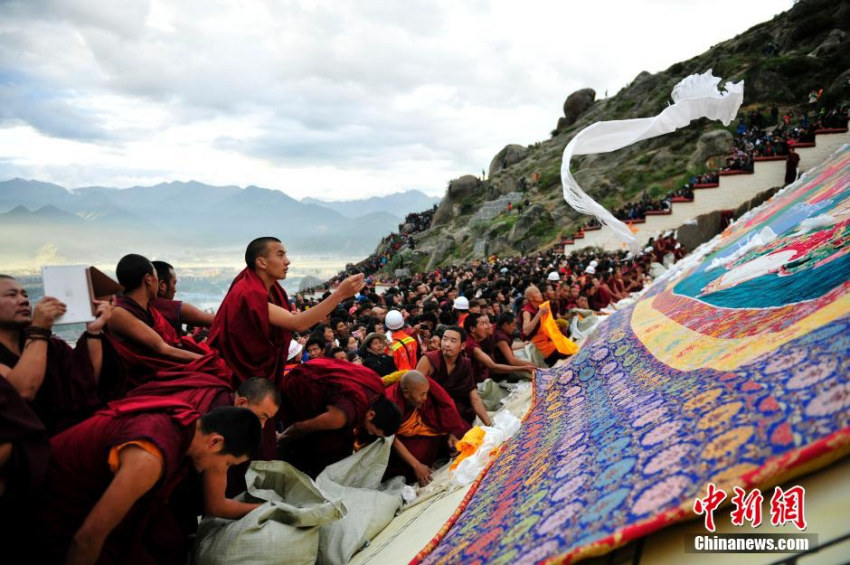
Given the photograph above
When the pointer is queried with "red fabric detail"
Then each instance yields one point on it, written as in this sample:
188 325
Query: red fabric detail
142 364
308 390
170 310
241 331
69 392
479 369
201 391
25 471
533 311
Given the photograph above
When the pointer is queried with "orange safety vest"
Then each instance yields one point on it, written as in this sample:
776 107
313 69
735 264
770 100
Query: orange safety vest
404 352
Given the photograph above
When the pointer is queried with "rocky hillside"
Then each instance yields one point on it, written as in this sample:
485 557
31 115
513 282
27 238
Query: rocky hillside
780 61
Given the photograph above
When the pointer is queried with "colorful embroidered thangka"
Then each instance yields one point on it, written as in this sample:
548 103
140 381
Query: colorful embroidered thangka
734 371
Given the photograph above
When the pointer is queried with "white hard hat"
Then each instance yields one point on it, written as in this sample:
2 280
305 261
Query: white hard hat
591 270
554 276
394 320
461 303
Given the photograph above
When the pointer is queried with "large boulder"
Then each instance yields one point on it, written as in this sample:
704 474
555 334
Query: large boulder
840 87
710 144
578 103
832 44
459 188
463 186
509 155
767 85
442 250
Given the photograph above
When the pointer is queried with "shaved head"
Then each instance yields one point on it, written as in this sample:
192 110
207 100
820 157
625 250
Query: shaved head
415 387
413 378
258 248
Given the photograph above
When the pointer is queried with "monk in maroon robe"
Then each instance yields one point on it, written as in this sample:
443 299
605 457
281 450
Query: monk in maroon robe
60 383
430 425
253 327
110 476
24 454
176 312
212 493
327 403
454 373
142 335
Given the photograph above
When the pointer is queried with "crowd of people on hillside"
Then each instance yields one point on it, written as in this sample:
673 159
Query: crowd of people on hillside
417 222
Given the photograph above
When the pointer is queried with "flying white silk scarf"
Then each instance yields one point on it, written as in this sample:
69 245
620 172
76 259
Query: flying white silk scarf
696 96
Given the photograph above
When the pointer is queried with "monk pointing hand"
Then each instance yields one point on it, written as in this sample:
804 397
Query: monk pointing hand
254 325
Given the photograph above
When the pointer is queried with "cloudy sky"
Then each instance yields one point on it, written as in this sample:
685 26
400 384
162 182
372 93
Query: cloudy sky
335 99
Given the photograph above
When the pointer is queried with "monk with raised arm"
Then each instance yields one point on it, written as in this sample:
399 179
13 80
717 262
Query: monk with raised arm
453 372
60 383
253 327
430 426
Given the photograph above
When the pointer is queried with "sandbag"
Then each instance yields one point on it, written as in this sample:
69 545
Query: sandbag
491 394
284 530
356 482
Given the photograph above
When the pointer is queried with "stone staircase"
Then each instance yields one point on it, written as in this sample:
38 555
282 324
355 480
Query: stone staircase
493 208
733 190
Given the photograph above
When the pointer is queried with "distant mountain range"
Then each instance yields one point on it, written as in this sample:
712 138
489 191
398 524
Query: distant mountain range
399 204
190 220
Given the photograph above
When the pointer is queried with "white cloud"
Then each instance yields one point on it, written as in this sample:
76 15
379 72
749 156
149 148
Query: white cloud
347 99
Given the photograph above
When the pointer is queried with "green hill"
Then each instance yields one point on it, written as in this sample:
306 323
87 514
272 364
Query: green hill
781 61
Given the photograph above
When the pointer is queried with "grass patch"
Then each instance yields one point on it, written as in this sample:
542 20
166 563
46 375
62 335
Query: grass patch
550 176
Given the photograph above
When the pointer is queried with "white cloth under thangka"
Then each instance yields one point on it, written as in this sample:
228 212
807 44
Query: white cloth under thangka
696 96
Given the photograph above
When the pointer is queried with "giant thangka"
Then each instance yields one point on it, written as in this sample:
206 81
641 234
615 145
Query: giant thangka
733 369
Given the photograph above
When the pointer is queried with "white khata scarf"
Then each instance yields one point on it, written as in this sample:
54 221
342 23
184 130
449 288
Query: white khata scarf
696 96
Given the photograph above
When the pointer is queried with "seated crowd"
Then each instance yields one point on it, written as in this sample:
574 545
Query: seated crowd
110 450
755 139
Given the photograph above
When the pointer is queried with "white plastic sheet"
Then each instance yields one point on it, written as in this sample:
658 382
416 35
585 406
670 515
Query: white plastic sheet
696 96
504 426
